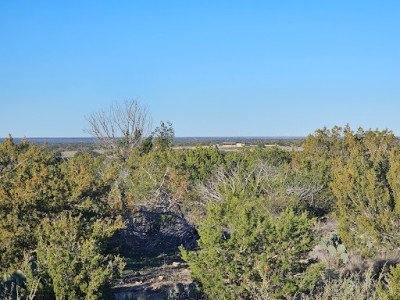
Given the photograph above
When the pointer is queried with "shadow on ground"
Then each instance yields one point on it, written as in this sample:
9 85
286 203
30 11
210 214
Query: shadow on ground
154 267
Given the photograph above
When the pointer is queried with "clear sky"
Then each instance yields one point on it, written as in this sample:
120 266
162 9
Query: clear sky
213 68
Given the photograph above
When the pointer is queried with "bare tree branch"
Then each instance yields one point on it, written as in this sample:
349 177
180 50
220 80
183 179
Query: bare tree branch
121 128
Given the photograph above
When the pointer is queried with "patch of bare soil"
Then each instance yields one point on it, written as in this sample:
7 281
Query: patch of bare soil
164 276
154 267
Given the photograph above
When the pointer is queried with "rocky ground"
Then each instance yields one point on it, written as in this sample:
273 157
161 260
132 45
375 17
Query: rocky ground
154 267
162 276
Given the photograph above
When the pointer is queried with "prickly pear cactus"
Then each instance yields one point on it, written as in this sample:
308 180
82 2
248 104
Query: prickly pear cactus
344 257
341 249
332 251
335 239
324 241
336 249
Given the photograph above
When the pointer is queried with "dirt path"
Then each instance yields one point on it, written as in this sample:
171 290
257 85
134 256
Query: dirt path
164 276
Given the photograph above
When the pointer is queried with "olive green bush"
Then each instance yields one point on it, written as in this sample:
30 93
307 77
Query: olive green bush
31 188
71 258
358 286
391 290
366 186
241 244
55 219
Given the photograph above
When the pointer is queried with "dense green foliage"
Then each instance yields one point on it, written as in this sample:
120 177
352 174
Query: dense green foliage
31 188
258 213
70 257
392 290
366 185
50 212
241 244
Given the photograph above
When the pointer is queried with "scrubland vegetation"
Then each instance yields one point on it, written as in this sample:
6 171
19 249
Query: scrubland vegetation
322 223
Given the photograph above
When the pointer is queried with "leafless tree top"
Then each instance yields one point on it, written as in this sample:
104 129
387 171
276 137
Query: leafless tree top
121 128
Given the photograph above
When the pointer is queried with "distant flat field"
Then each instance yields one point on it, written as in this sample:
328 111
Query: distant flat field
55 140
78 142
287 148
69 154
213 140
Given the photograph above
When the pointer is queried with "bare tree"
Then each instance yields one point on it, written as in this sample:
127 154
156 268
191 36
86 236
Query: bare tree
236 180
121 128
277 185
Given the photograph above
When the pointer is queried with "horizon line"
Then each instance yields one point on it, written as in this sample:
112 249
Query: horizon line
179 137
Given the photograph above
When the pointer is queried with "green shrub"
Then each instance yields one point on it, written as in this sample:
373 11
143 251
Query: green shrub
366 186
71 260
242 244
357 286
392 290
31 188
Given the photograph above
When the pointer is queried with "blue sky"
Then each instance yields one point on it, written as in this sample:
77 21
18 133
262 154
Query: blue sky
213 68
